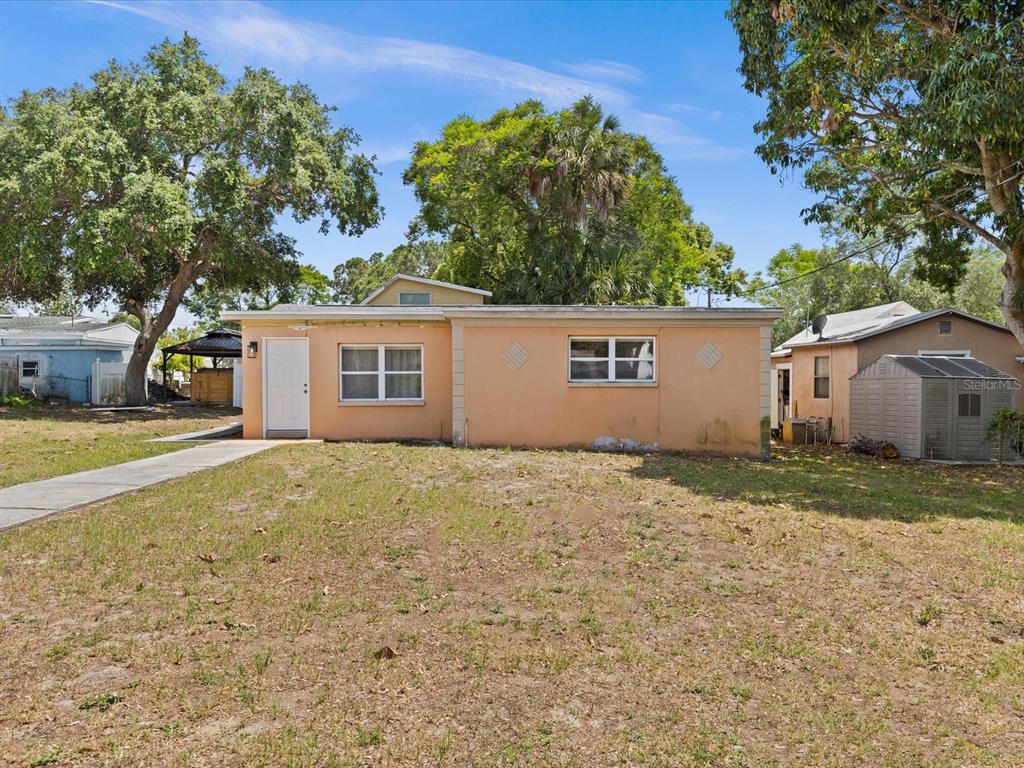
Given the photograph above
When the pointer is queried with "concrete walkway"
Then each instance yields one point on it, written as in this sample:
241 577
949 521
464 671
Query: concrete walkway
29 501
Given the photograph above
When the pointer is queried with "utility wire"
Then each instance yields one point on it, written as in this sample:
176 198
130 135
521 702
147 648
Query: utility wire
871 246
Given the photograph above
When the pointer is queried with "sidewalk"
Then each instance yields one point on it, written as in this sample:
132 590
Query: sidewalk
29 501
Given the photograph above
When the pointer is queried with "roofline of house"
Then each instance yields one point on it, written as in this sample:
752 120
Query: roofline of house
424 281
498 313
901 322
65 345
64 333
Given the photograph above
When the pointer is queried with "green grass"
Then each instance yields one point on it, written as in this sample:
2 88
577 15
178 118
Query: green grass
540 608
41 441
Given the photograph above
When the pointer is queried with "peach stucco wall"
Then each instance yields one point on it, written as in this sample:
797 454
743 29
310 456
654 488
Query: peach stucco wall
803 403
690 408
431 420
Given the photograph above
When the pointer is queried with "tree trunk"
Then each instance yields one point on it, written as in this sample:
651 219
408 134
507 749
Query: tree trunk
1012 300
152 327
138 365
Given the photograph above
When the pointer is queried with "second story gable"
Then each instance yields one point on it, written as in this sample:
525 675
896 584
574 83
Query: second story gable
409 290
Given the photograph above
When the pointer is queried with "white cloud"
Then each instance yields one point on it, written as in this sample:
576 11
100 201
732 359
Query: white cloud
255 32
604 69
710 114
674 138
251 28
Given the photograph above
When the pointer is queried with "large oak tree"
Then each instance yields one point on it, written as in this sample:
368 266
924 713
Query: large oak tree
159 176
908 115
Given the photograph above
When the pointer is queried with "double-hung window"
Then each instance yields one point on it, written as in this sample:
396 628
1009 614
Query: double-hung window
611 359
821 377
29 369
381 373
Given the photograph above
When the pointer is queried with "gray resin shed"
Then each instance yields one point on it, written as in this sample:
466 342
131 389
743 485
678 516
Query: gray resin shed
930 407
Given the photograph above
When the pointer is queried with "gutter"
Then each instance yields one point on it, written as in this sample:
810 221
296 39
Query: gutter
497 312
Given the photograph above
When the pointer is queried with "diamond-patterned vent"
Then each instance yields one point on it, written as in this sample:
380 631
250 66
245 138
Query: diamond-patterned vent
516 356
709 355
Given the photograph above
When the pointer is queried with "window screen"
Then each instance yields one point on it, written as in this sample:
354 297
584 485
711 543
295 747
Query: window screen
945 327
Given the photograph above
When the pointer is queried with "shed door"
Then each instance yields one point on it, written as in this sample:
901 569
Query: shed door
286 387
968 426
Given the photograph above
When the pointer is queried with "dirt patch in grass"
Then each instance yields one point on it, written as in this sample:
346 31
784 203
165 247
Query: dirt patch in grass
393 605
49 440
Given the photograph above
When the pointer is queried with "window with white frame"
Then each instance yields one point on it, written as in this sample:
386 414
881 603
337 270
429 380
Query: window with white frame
611 359
381 373
29 369
414 297
822 379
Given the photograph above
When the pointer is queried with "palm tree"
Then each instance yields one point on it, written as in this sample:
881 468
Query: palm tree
587 165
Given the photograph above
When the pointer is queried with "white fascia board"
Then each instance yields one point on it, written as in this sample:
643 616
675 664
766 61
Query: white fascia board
496 313
355 312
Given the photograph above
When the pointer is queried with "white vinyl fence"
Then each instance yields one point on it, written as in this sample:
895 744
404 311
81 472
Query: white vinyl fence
236 392
108 383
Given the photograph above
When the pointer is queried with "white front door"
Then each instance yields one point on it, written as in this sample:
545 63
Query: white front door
286 388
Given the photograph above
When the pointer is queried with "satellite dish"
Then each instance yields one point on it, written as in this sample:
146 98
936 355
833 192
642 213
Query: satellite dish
818 324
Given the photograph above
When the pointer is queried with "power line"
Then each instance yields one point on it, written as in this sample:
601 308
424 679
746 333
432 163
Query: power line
871 246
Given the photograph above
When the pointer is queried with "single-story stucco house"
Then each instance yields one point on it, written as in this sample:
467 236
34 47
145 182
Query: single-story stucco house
473 373
54 356
811 371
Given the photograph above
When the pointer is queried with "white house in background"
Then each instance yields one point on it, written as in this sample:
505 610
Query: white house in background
55 355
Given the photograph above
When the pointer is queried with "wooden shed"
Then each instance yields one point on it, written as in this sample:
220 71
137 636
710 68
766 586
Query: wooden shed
930 407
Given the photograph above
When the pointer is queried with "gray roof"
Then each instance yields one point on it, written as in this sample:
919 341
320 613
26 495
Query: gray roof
929 367
53 323
861 324
222 342
840 326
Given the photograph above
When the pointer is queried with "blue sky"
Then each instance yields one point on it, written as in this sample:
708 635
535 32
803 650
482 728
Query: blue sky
398 71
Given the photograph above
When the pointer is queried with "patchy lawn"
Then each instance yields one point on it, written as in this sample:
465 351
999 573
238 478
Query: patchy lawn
542 608
40 441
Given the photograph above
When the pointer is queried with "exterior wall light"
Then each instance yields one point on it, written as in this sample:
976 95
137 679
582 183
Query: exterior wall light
253 346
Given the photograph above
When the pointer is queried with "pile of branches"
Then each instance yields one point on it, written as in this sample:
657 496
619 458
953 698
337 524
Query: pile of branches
871 447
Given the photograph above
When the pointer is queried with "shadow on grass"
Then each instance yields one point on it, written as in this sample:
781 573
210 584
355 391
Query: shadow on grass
39 411
837 482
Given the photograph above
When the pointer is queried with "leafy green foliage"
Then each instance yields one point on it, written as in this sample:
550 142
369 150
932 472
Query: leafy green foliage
880 276
561 207
17 401
287 283
159 176
1007 427
906 117
357 278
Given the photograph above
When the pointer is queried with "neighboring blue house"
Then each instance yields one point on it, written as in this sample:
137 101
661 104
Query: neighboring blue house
55 354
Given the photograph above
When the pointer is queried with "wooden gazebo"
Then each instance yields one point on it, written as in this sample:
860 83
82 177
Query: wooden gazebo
219 345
